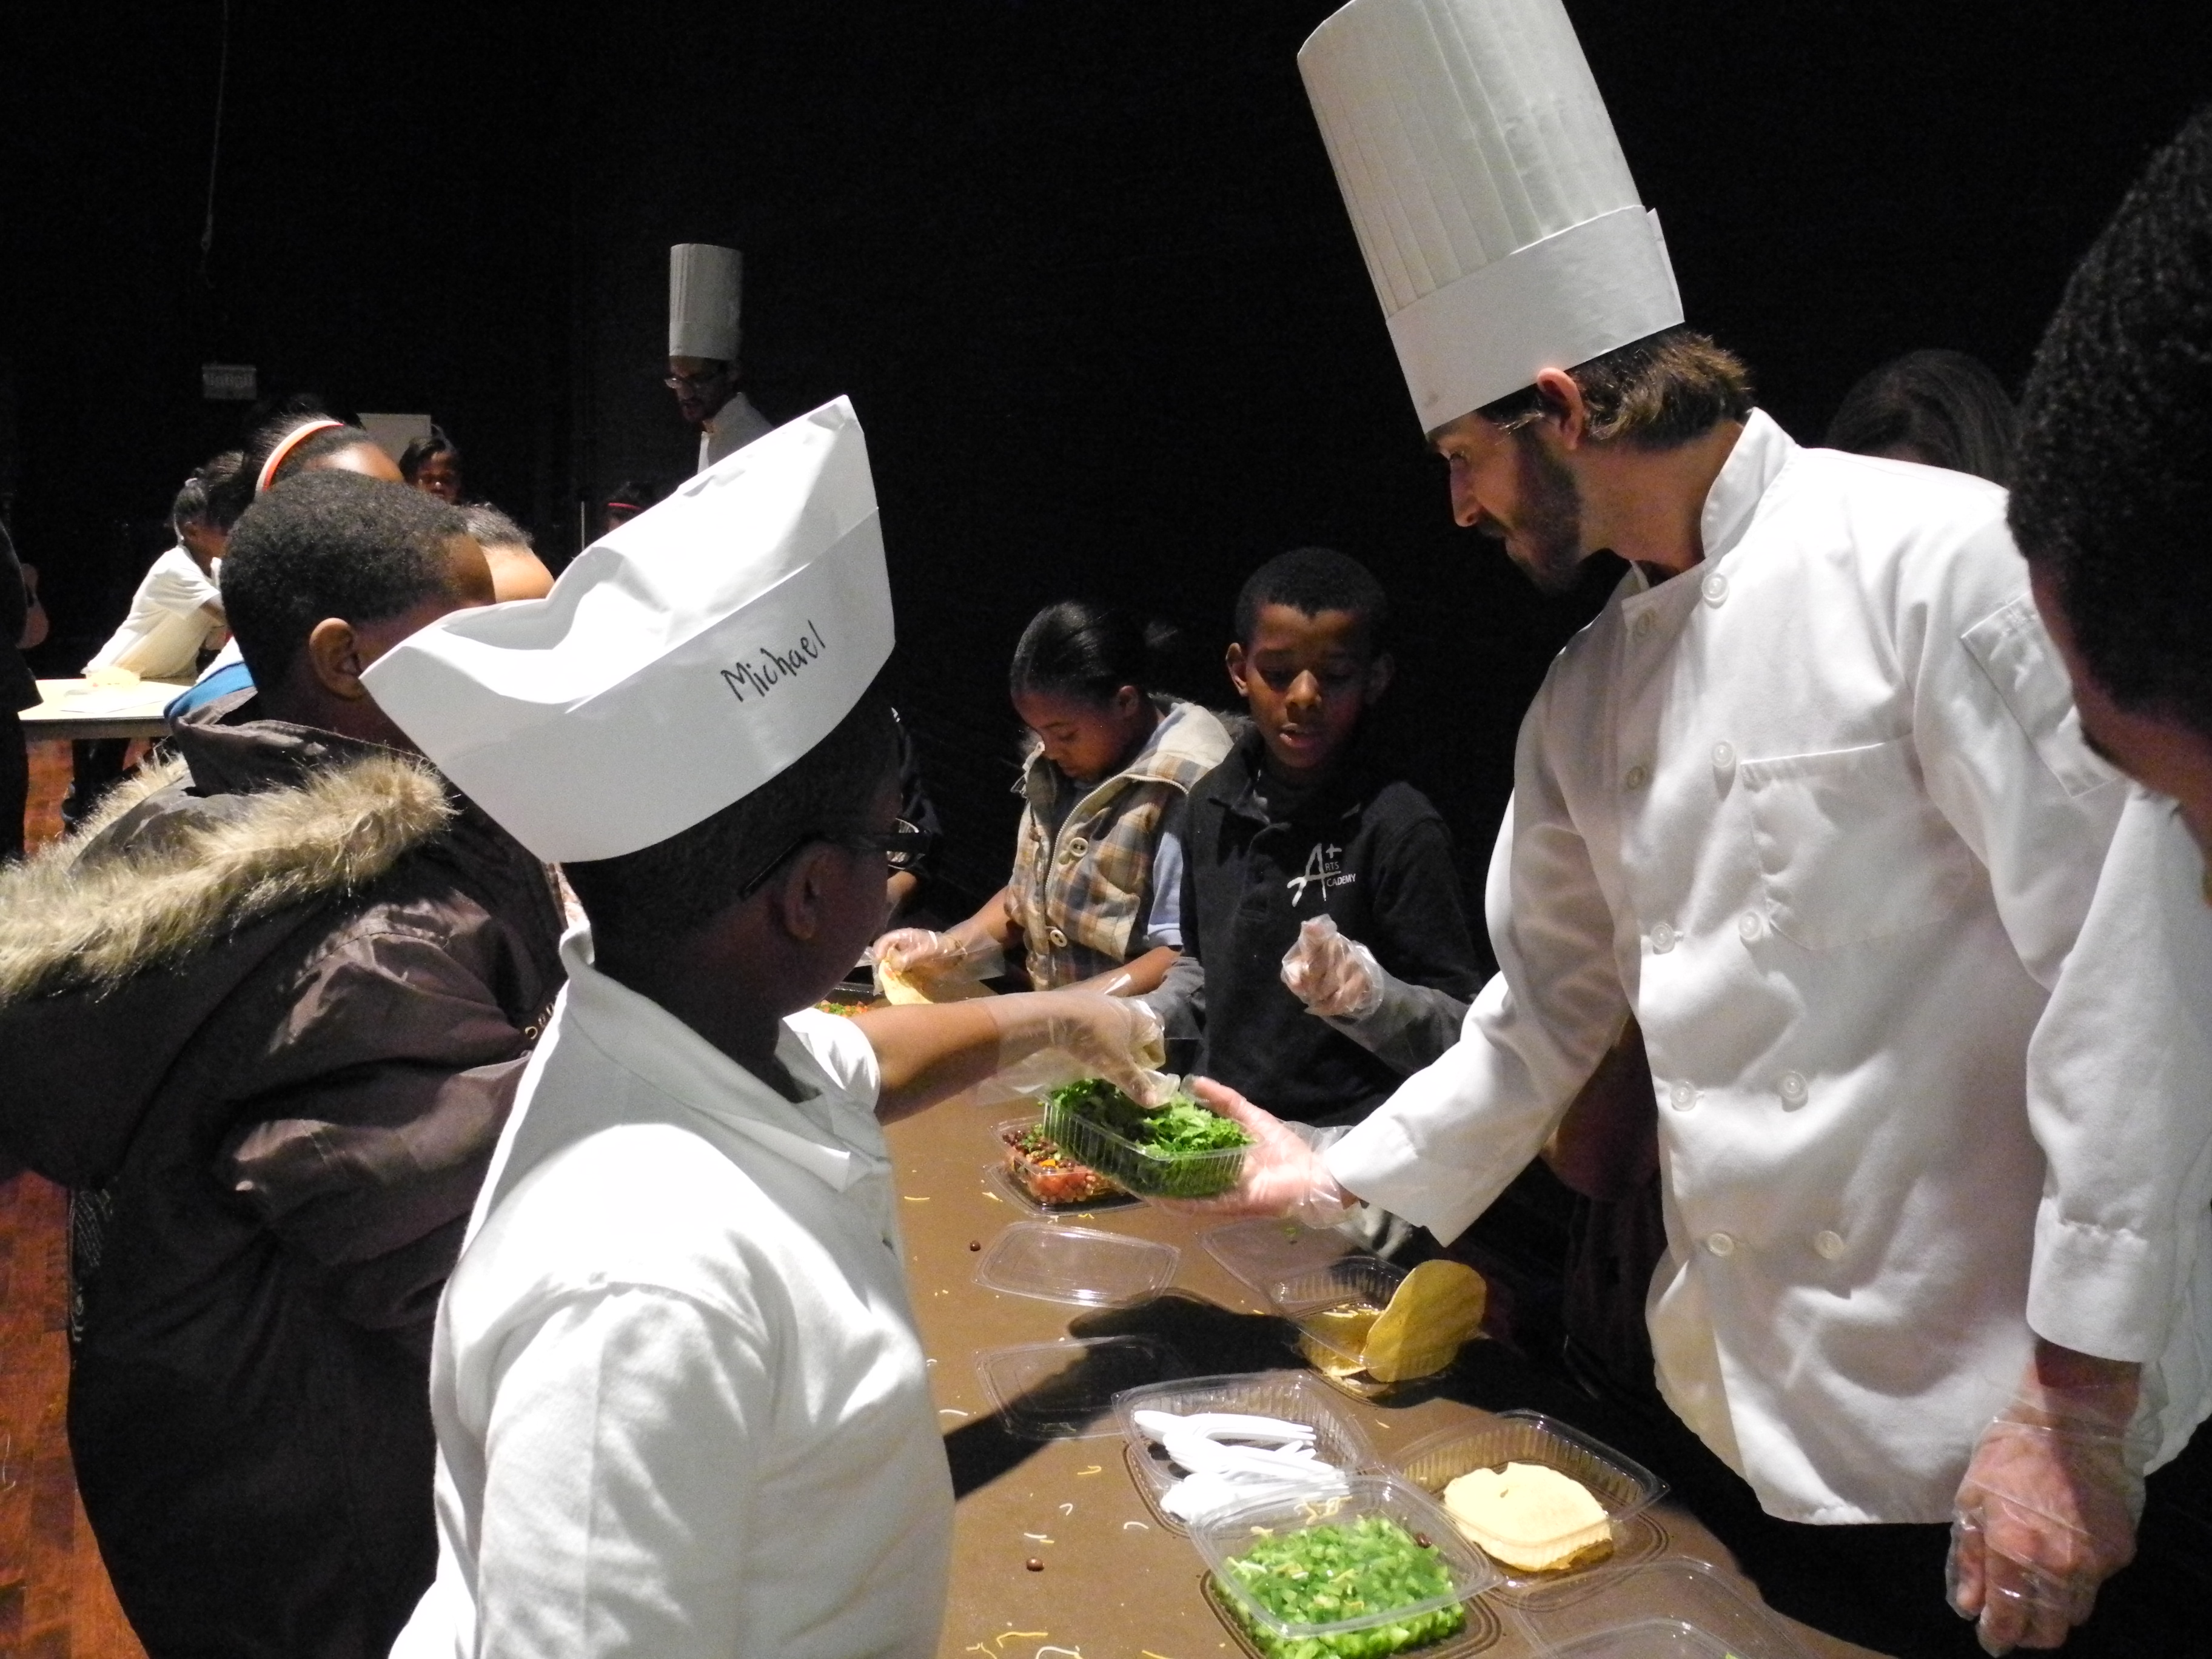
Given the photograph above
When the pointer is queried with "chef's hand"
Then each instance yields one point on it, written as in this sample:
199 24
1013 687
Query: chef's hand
1281 1174
1046 1038
2047 1511
918 954
1333 976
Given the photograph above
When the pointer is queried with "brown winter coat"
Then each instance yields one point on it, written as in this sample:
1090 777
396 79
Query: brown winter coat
265 1017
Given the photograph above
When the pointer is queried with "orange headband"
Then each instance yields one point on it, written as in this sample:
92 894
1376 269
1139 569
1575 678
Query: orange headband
290 441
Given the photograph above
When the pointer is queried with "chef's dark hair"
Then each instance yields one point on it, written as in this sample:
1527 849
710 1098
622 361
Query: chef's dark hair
227 503
664 893
1656 392
1081 649
1312 580
2112 487
194 502
331 545
420 450
1945 407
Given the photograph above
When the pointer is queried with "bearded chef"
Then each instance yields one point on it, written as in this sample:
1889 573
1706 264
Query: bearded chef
705 286
1808 800
681 1405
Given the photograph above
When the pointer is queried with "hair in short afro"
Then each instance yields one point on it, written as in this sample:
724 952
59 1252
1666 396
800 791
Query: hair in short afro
1312 580
2113 488
331 545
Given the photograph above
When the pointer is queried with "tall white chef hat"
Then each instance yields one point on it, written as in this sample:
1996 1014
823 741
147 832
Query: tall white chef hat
1491 197
680 663
704 281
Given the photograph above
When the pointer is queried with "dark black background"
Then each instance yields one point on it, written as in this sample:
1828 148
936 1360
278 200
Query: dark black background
1080 265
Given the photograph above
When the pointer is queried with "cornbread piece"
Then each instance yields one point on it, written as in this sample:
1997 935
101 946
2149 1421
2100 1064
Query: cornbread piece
1530 1517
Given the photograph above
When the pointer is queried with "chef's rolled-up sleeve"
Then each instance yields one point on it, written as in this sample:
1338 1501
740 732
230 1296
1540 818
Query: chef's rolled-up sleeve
2098 889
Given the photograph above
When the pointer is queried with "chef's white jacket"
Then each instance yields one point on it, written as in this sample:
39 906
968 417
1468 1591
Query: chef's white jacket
681 1406
730 428
1932 1071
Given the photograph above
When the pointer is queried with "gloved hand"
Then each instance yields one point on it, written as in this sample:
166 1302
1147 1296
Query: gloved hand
1332 975
1046 1038
2047 1513
1282 1175
918 954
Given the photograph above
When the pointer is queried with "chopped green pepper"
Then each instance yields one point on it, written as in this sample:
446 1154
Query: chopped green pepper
1319 1575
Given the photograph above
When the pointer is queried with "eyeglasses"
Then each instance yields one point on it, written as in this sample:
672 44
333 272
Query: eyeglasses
695 382
902 848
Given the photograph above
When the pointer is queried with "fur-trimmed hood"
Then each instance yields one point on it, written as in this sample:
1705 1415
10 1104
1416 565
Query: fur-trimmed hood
161 873
119 946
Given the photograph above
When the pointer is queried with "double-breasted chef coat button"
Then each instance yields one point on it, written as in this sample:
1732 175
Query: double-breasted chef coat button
1637 776
1682 1096
1720 1243
1792 1087
1724 757
1058 938
1642 627
1664 937
1749 927
1829 1244
1714 588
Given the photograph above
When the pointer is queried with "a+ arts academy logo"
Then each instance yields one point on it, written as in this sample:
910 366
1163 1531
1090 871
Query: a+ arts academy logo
1324 867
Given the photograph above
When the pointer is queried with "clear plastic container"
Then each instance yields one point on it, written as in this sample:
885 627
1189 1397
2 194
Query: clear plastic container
1292 1396
1670 1609
1057 1263
1066 1390
1624 1488
1264 1251
1334 1308
1143 1170
1056 1190
1467 1571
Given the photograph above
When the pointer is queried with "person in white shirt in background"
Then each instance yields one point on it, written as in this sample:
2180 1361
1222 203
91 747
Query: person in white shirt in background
1808 800
177 612
175 619
704 287
681 1405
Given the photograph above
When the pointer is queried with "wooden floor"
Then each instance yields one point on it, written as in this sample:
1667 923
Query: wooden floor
55 1602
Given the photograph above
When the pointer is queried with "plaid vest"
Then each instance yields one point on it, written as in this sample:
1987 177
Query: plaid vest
1078 893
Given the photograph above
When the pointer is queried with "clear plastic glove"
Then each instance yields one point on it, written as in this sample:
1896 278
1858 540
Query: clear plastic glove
1282 1175
2047 1513
1046 1038
918 954
1334 976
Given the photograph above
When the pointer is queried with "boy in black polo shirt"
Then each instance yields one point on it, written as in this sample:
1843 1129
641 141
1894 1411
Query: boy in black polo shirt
1299 831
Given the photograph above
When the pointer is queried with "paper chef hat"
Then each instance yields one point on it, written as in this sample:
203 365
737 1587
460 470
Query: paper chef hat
1500 225
676 665
703 284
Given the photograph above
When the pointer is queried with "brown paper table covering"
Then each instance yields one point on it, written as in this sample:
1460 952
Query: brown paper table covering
1109 1589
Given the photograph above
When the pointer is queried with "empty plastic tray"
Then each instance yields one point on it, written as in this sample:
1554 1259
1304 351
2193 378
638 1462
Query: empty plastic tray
1066 1390
1264 1252
1623 1487
1058 1263
1669 1610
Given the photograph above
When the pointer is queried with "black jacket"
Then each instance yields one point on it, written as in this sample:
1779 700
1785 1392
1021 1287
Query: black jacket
266 1020
1370 853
